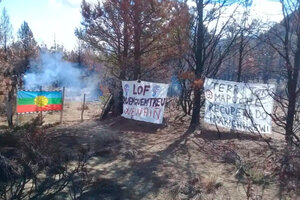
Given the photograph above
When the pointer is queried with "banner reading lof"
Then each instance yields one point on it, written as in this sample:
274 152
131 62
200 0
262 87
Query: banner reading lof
144 101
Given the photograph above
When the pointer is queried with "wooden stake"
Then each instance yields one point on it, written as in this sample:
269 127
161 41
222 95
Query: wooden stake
83 105
17 120
106 108
41 112
62 105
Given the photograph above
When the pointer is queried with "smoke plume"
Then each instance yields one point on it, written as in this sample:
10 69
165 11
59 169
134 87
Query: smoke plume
52 72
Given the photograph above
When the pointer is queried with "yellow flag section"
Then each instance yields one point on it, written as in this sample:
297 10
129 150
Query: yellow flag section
239 106
144 101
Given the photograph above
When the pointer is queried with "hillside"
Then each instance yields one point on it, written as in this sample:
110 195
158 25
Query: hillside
136 160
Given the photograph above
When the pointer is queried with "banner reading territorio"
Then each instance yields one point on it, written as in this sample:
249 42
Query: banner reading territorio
239 106
144 101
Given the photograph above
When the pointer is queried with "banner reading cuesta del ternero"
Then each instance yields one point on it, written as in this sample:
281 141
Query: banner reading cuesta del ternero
144 101
239 106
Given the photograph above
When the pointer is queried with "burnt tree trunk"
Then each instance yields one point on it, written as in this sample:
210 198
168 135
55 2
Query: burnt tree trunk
199 66
241 51
117 101
137 39
118 96
293 75
9 106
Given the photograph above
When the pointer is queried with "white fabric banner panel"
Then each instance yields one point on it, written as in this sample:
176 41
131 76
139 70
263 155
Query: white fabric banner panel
144 101
239 106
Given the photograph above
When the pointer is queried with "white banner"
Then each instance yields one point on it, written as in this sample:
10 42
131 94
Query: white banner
239 106
144 101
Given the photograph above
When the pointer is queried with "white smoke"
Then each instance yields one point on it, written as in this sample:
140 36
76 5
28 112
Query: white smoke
51 71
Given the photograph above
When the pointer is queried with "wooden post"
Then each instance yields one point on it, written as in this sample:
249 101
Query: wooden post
62 104
17 120
83 105
106 107
41 112
9 106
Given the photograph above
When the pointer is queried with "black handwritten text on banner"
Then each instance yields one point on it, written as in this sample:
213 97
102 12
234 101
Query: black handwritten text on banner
239 106
144 101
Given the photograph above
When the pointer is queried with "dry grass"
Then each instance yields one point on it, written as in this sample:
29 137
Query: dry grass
195 188
211 184
185 190
144 161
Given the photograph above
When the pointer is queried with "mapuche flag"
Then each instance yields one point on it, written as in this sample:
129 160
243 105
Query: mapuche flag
30 101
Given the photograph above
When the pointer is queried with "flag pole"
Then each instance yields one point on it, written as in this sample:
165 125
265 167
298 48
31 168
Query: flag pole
41 112
83 105
62 104
17 120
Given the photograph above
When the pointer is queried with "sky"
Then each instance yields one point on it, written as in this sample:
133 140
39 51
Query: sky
57 19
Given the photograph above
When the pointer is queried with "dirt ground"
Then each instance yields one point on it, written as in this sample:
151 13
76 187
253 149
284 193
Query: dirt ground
71 114
162 162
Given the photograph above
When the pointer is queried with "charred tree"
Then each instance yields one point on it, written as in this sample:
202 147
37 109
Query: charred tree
284 38
209 48
199 65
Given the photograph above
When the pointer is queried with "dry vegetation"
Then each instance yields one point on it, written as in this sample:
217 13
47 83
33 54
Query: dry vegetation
125 159
182 159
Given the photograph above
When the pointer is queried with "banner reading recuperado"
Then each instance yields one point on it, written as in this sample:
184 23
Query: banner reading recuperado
144 101
239 106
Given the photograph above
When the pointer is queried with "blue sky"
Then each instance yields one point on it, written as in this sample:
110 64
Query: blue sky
59 18
46 18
